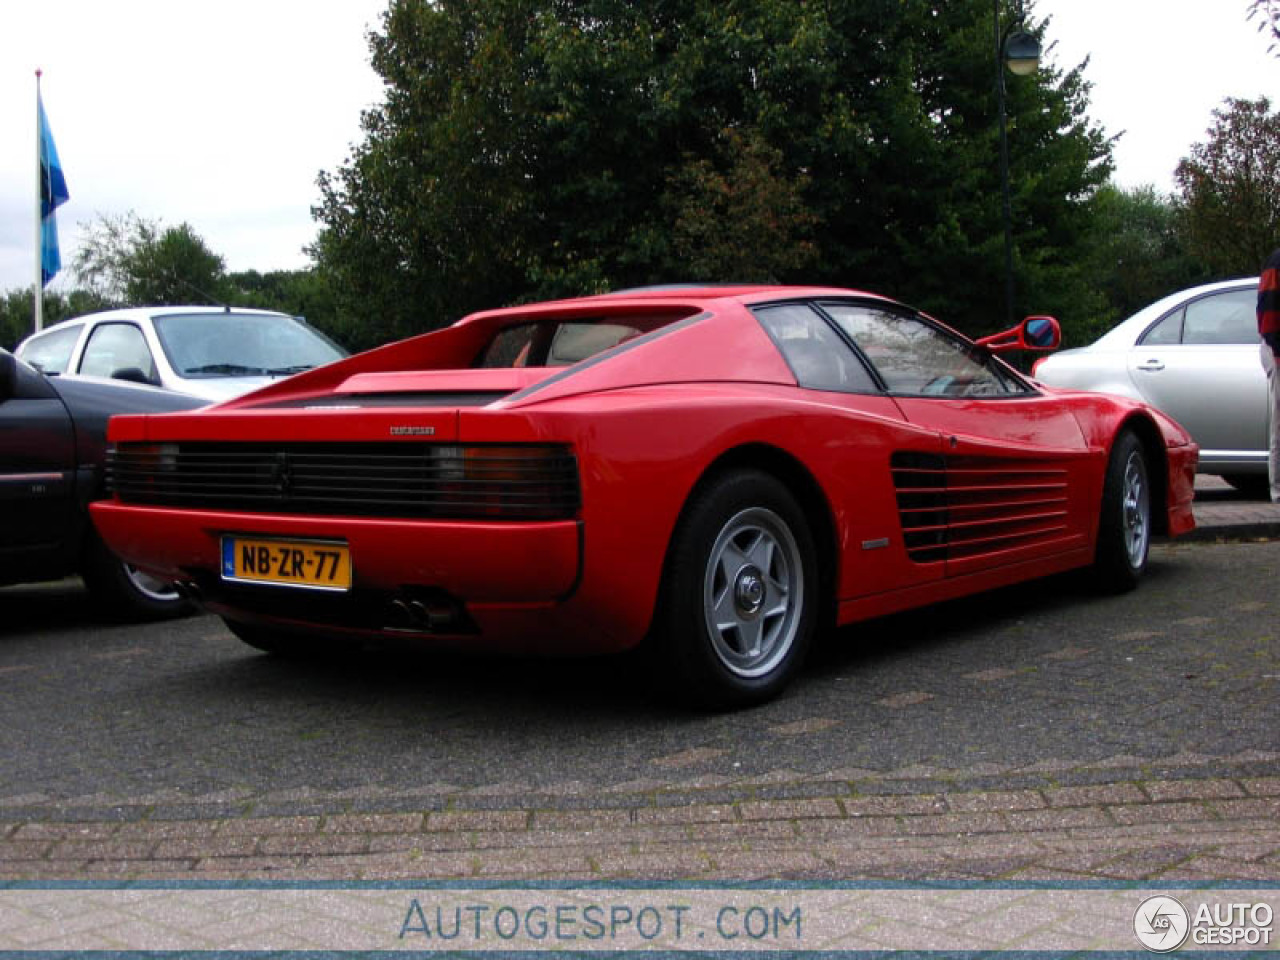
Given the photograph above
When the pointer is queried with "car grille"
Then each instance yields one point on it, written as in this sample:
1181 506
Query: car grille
966 506
407 480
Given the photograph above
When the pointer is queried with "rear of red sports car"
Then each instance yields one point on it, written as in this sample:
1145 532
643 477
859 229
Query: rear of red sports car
436 488
576 476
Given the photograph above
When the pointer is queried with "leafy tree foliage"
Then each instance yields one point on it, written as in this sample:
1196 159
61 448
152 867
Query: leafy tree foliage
18 315
127 260
1230 186
1137 254
531 148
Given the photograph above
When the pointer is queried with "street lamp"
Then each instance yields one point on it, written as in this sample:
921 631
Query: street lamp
1020 51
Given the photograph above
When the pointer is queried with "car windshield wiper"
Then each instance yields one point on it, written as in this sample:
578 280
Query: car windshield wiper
230 369
285 371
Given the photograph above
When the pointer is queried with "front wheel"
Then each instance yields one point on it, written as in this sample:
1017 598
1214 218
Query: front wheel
1124 530
740 593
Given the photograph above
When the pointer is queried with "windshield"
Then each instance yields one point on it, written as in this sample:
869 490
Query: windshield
242 344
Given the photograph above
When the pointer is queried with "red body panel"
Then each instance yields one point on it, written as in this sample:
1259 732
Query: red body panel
646 422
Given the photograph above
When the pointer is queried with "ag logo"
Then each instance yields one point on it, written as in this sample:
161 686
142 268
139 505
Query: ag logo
1161 924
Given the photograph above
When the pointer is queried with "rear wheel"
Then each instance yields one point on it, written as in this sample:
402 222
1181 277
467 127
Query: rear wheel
740 593
1124 531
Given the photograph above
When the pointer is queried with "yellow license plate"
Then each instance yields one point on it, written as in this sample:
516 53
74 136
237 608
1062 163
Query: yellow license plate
297 563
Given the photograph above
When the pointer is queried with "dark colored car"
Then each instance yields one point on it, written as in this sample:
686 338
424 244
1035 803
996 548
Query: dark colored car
52 445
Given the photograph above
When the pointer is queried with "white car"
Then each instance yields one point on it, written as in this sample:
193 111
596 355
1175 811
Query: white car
211 352
1193 355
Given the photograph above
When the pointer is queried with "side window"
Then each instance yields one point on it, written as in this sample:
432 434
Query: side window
1166 331
915 358
51 352
113 347
1229 317
816 354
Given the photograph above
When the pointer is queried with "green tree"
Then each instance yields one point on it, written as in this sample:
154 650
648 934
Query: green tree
531 148
1137 254
129 261
17 311
1230 187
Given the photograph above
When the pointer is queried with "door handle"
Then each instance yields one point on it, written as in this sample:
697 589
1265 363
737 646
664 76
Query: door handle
1152 365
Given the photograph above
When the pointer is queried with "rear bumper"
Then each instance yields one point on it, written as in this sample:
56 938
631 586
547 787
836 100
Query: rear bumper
506 585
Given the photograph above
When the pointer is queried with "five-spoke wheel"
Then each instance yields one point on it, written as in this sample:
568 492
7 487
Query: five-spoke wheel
753 592
740 591
1124 528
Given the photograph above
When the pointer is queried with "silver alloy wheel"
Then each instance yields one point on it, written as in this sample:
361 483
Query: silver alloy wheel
753 592
153 588
1135 509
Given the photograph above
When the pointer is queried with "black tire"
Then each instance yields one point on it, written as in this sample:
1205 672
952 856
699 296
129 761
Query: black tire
1124 530
742 538
1256 486
124 592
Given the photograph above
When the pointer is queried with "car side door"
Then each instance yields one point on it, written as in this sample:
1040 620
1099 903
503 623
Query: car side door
37 471
1199 364
1015 479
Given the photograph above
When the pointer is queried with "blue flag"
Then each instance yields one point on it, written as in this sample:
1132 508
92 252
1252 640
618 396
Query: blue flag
53 193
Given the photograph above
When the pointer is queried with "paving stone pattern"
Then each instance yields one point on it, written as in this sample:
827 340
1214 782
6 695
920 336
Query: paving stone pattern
1148 828
1185 817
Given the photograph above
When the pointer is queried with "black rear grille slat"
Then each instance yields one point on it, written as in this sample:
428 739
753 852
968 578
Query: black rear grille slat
418 481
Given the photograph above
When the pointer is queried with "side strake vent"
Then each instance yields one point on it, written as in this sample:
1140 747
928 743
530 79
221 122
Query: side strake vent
965 506
406 480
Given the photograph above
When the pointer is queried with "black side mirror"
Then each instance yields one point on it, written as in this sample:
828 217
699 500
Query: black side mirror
133 375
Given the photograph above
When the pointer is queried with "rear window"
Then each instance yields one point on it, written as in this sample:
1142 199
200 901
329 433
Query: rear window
51 352
562 343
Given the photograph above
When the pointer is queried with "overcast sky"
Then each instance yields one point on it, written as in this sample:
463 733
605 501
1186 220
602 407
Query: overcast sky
222 114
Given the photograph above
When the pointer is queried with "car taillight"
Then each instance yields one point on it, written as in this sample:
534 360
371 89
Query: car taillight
508 481
144 462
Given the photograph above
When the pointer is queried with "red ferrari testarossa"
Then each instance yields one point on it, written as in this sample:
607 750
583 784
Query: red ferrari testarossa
720 471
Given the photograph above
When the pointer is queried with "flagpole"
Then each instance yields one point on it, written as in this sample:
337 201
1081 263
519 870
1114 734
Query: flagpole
39 294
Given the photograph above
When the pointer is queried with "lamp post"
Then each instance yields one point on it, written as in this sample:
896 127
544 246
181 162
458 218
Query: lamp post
1019 50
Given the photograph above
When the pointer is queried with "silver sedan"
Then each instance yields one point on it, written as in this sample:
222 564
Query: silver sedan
1193 355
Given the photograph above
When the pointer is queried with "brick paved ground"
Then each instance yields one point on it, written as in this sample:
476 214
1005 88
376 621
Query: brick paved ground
1187 818
1099 823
